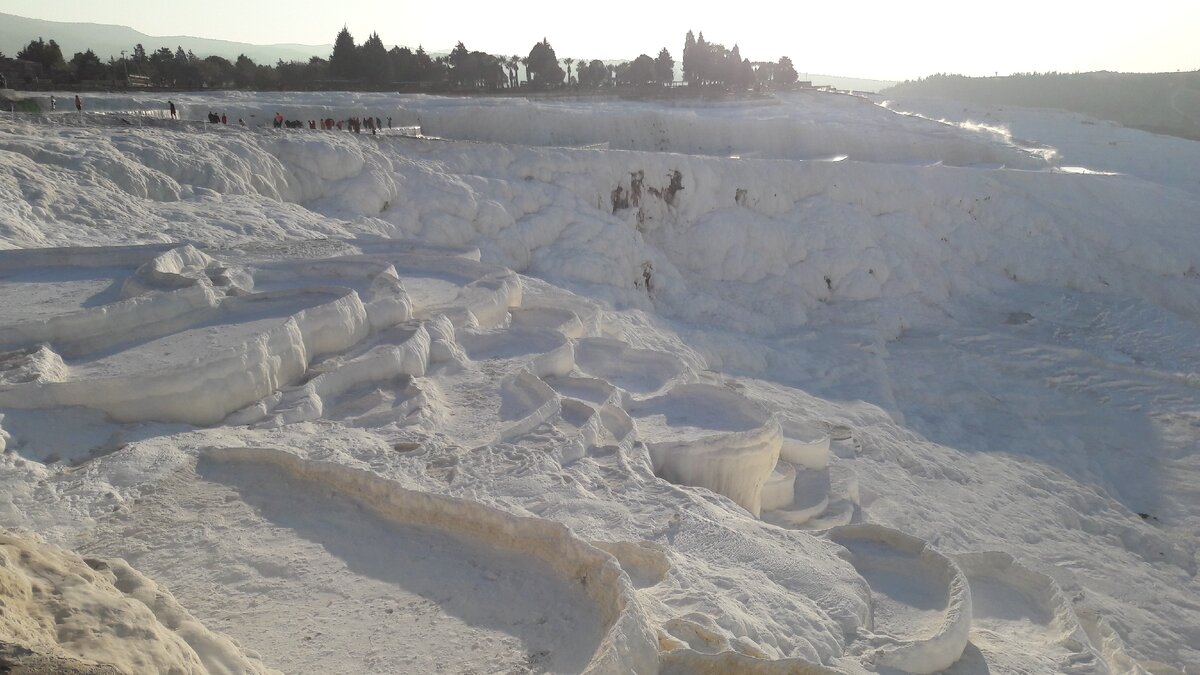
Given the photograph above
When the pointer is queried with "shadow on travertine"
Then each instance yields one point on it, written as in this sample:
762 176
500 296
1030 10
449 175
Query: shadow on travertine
494 597
490 586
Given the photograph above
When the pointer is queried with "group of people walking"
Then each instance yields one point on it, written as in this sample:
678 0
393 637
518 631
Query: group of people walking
212 117
353 124
372 124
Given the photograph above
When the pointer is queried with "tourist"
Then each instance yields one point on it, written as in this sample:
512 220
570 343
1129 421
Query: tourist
172 104
78 104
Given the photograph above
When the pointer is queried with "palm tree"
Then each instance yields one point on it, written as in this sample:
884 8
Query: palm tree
568 62
525 62
513 62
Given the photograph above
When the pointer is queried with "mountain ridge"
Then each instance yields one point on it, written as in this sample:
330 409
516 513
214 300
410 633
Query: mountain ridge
107 40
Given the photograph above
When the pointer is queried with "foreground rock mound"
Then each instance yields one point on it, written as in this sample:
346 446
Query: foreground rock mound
60 613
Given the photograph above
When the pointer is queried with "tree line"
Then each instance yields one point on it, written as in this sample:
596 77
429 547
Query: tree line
372 66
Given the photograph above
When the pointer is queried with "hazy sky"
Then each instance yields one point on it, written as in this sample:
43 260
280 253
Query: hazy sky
885 39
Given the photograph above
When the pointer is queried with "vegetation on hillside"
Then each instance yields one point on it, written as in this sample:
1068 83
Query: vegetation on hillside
1166 103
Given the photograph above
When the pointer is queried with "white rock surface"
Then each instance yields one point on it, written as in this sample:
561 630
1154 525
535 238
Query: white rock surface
904 343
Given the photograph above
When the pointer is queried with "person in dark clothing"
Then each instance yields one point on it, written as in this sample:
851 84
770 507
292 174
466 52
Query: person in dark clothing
78 103
172 104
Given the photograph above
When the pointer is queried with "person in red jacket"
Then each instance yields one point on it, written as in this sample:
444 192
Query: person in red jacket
224 119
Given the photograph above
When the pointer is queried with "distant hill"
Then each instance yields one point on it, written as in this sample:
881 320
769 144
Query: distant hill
1164 103
107 40
849 83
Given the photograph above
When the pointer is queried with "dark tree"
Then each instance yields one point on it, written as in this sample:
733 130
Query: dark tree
49 54
162 66
458 55
543 69
245 72
740 74
489 70
514 67
404 66
463 71
87 66
764 72
593 74
476 69
139 58
640 71
343 62
704 61
689 58
374 64
664 67
745 76
216 71
425 66
785 72
184 70
317 69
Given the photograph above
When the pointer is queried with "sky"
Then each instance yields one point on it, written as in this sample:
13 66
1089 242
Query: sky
882 40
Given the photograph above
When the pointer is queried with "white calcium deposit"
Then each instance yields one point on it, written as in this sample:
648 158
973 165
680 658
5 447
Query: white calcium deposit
810 384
